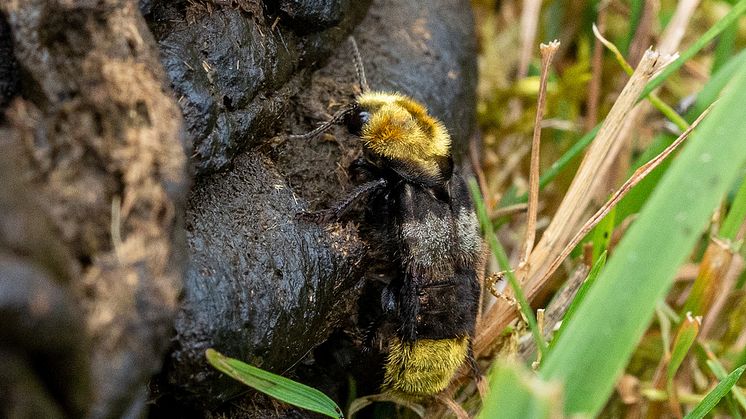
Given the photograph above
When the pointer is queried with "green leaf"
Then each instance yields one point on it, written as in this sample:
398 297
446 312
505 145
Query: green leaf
715 85
725 46
636 10
273 385
741 357
517 393
636 198
717 368
601 234
685 337
736 215
591 354
714 396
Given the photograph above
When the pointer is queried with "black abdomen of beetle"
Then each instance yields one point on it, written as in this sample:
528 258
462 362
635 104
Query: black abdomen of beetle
439 293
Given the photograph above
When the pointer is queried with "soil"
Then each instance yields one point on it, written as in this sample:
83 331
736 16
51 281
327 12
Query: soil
156 192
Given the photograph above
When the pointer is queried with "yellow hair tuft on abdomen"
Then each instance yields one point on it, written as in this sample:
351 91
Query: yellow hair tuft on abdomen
423 367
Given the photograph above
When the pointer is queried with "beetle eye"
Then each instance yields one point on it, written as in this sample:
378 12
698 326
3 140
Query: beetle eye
356 119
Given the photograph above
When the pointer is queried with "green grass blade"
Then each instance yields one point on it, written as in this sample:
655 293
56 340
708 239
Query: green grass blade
708 96
737 10
635 16
714 396
736 215
569 155
591 354
517 393
725 47
601 234
664 323
587 284
273 385
715 85
636 197
685 337
741 357
718 369
733 408
654 100
502 260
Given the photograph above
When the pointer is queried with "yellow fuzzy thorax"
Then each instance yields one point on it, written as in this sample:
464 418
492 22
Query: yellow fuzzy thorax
401 129
423 367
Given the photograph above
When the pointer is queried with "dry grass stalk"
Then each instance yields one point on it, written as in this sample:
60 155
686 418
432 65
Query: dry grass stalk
547 54
566 221
740 342
636 177
660 378
687 272
454 407
673 34
361 402
741 232
715 264
734 270
509 210
594 87
668 44
644 33
529 24
556 310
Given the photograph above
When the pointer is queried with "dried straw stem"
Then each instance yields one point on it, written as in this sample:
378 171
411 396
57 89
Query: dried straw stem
547 54
588 180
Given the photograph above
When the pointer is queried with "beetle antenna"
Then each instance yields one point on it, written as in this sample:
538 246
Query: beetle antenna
359 69
325 126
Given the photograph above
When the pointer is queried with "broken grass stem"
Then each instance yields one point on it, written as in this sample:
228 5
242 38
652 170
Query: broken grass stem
657 102
636 177
547 54
587 182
